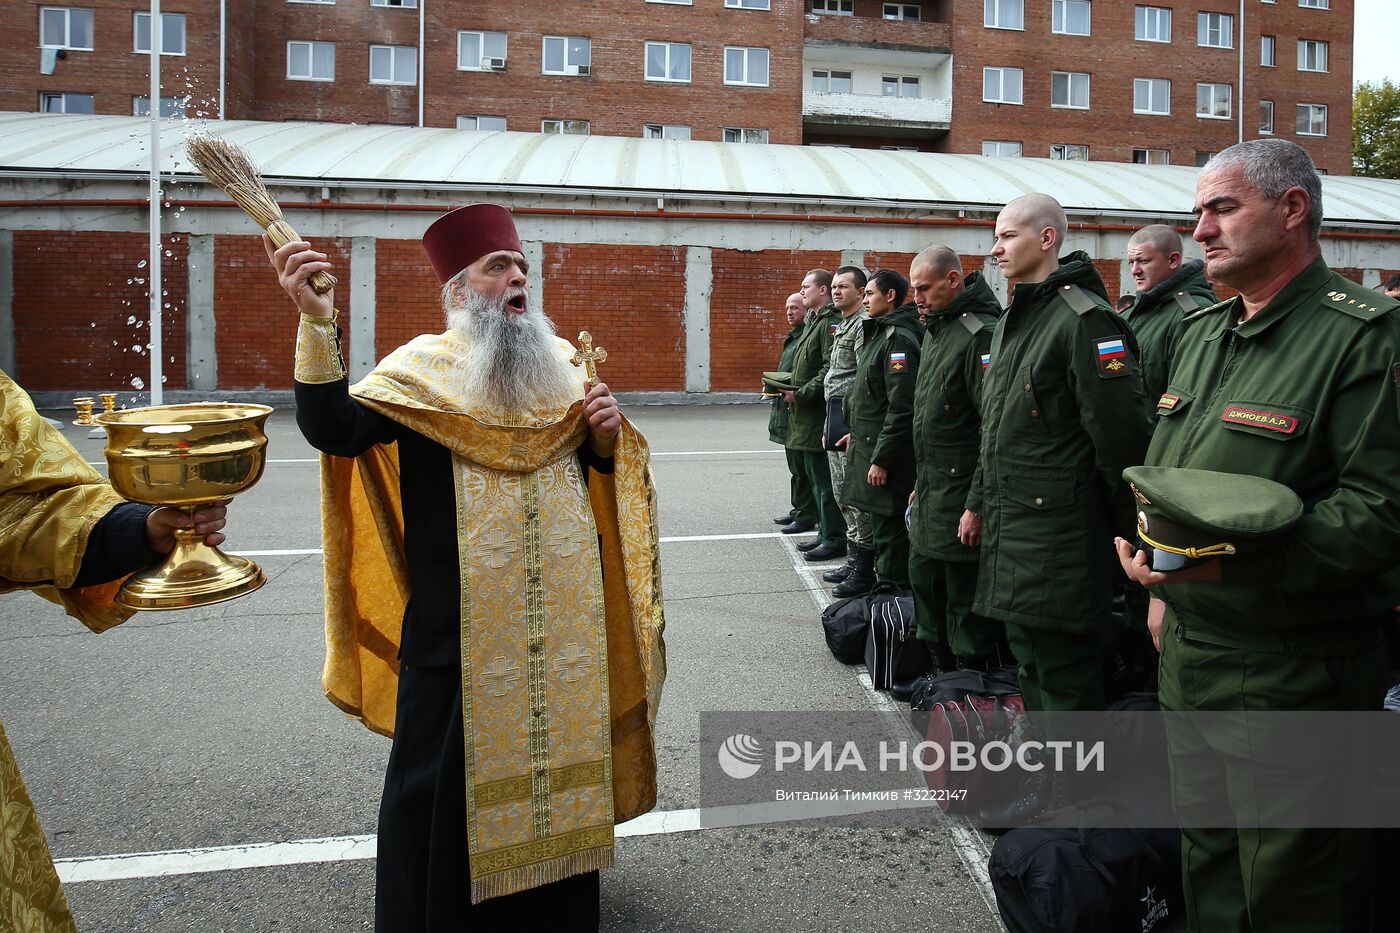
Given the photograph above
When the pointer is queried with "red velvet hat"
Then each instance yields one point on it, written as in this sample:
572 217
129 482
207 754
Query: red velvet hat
461 237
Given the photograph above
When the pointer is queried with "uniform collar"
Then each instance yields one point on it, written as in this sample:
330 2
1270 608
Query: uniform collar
1304 288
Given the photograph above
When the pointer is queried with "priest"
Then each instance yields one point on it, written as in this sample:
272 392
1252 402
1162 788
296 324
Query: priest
493 596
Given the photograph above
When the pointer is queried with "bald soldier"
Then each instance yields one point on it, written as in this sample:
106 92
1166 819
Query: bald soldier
1063 413
1168 289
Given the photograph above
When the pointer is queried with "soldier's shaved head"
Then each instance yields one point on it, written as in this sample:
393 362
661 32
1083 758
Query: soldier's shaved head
1158 236
1039 211
937 259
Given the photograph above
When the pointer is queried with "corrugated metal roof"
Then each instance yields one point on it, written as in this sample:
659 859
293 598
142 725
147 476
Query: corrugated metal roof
392 156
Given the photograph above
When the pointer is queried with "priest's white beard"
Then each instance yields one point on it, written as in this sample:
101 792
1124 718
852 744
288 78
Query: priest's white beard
513 361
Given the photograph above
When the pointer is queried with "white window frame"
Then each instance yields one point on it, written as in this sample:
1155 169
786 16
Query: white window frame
481 36
1315 4
827 75
559 124
1215 86
1070 83
834 7
1151 86
739 135
1065 150
1268 51
395 4
1148 159
62 98
68 12
1315 46
1266 106
574 69
666 64
1155 15
666 131
998 144
901 82
1059 10
310 60
900 12
1314 109
1001 85
748 50
476 123
1222 24
136 19
176 112
992 17
395 52
746 4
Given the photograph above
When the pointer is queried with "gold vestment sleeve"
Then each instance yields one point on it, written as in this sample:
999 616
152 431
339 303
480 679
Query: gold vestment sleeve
318 351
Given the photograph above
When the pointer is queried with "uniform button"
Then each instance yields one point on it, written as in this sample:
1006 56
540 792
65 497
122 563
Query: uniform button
1039 501
952 471
1035 413
947 407
1028 387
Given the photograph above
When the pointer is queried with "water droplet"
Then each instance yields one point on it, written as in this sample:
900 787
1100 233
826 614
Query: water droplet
163 378
141 264
140 281
131 319
93 324
168 252
137 382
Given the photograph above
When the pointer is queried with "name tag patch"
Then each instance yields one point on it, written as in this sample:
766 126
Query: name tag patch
1269 420
1111 354
898 361
1168 401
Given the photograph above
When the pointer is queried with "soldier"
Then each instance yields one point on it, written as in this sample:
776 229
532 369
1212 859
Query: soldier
959 313
1062 414
807 417
803 516
880 412
847 294
1295 380
1168 289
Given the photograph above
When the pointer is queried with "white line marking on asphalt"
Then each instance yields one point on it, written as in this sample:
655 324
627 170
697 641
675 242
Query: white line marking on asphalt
654 453
216 858
680 539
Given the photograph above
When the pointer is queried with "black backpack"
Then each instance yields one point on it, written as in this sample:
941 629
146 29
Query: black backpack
893 652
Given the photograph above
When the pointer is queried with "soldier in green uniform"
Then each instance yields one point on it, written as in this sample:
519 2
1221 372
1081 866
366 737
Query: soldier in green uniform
1062 414
847 294
807 416
803 515
1168 289
959 313
1296 380
880 412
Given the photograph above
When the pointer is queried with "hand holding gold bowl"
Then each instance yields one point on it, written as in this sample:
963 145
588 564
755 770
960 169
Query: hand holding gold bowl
184 457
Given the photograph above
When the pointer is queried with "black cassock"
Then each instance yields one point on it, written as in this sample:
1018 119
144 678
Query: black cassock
422 883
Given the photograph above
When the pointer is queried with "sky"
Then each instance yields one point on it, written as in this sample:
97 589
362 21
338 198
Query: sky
1377 27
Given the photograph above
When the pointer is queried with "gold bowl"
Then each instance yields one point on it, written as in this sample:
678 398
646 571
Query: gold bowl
186 456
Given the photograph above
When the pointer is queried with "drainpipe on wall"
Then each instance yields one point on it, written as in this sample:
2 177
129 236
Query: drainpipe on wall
223 23
1240 133
422 77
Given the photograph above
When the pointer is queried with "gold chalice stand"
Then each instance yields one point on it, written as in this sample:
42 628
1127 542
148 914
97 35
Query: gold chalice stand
185 456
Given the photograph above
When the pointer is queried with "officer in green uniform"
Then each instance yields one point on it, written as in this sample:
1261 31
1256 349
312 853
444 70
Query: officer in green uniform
1296 380
1062 414
1168 289
807 417
804 505
847 294
959 313
880 412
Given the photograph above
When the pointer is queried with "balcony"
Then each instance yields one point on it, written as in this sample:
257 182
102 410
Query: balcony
898 116
870 32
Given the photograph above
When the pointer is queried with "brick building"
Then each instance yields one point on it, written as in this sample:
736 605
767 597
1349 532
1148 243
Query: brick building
1155 81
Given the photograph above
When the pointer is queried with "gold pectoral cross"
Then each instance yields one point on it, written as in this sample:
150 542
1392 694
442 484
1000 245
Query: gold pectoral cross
588 357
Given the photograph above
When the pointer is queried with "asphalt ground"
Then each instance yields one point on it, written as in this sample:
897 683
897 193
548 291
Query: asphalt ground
182 732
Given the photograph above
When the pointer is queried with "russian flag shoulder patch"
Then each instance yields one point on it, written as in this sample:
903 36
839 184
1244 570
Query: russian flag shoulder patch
1112 357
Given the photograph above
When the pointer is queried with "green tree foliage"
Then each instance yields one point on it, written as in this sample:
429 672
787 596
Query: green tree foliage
1375 130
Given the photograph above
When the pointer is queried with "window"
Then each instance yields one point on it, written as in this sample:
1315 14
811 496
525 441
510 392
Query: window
1215 30
1152 95
1202 158
1312 119
1001 85
481 51
907 11
1312 55
63 102
1213 101
407 4
1069 153
836 7
169 106
567 55
565 127
1152 24
744 134
1070 17
1316 4
1069 89
64 28
1266 51
748 4
1266 117
1004 14
311 61
172 34
665 131
745 66
995 147
899 86
1152 157
393 64
668 61
831 82
480 123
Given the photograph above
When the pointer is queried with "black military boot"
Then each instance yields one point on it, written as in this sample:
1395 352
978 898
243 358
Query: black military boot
941 659
861 579
841 573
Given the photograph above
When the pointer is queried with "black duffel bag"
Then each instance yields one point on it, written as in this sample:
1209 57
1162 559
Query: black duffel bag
893 653
846 623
